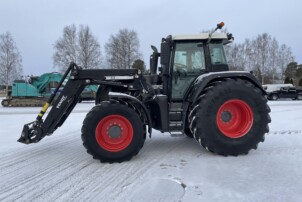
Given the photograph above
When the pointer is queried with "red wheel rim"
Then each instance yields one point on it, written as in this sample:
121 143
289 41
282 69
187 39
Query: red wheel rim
234 118
114 133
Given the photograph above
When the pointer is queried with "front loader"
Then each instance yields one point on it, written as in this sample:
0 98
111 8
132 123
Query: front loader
192 92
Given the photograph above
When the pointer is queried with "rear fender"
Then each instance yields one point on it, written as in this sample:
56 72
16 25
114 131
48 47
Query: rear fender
203 80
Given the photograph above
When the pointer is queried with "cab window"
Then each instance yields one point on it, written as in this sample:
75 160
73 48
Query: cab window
217 54
189 57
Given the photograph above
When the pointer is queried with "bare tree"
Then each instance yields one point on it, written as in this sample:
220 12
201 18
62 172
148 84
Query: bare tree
235 56
89 49
80 47
262 55
66 48
262 45
273 59
285 57
10 60
122 49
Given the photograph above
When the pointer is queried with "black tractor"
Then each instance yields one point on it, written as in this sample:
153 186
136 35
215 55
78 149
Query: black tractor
192 92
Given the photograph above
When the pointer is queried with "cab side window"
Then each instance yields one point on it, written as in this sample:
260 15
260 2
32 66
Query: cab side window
217 54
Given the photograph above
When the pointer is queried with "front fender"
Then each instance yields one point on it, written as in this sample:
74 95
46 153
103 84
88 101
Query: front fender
126 97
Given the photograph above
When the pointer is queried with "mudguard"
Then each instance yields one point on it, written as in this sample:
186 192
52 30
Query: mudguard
129 97
203 80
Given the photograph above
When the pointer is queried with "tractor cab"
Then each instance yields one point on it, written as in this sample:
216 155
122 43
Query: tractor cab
185 57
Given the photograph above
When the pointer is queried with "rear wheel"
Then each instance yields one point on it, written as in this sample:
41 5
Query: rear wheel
299 97
113 132
230 117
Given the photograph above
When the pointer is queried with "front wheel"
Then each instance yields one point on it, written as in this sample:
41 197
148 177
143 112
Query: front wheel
230 117
113 132
274 97
299 97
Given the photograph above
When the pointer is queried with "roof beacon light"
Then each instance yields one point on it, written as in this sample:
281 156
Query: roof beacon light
219 26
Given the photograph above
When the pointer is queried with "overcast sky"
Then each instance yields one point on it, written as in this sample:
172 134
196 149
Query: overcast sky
37 24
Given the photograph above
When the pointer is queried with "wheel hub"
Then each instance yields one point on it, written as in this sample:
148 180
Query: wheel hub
114 131
226 116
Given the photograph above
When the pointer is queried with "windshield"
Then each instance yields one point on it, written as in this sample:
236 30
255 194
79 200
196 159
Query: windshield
217 54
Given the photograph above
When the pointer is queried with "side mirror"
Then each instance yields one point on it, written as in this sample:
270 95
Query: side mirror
165 51
154 60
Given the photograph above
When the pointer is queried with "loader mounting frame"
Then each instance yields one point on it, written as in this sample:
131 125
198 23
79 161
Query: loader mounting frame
126 79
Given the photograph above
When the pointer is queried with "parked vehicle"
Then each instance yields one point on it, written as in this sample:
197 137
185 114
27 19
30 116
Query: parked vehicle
286 92
88 93
36 90
273 87
33 91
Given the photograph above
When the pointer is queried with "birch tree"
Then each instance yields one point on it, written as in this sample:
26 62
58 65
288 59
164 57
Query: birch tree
10 60
79 47
262 55
122 49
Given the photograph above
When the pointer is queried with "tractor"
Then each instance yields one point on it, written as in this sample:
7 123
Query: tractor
192 92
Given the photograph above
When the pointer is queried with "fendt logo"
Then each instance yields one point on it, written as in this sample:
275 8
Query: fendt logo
61 101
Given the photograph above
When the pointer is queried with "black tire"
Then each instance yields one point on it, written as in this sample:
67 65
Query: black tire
5 103
274 97
299 97
230 117
113 132
188 133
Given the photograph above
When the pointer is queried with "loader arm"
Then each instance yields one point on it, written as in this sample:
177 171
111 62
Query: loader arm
65 102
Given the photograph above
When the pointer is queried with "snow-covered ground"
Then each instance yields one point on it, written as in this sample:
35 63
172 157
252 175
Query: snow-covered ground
168 168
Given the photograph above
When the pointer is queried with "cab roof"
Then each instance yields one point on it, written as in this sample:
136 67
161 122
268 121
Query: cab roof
201 36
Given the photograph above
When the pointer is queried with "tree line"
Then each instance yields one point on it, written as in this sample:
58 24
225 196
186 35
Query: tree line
269 61
83 48
263 56
77 44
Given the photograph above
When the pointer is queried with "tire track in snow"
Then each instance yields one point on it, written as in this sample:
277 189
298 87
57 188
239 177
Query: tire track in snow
293 150
21 177
106 187
69 171
15 157
30 171
285 132
287 147
120 175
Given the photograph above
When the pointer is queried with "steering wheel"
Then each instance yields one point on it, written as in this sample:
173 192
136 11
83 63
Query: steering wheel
180 68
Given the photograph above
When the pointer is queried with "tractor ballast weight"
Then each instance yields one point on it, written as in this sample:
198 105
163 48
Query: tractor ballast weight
192 92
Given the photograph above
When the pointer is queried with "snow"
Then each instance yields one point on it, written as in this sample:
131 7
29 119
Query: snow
168 168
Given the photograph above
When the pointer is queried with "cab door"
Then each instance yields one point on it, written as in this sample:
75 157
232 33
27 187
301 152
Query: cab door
188 63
